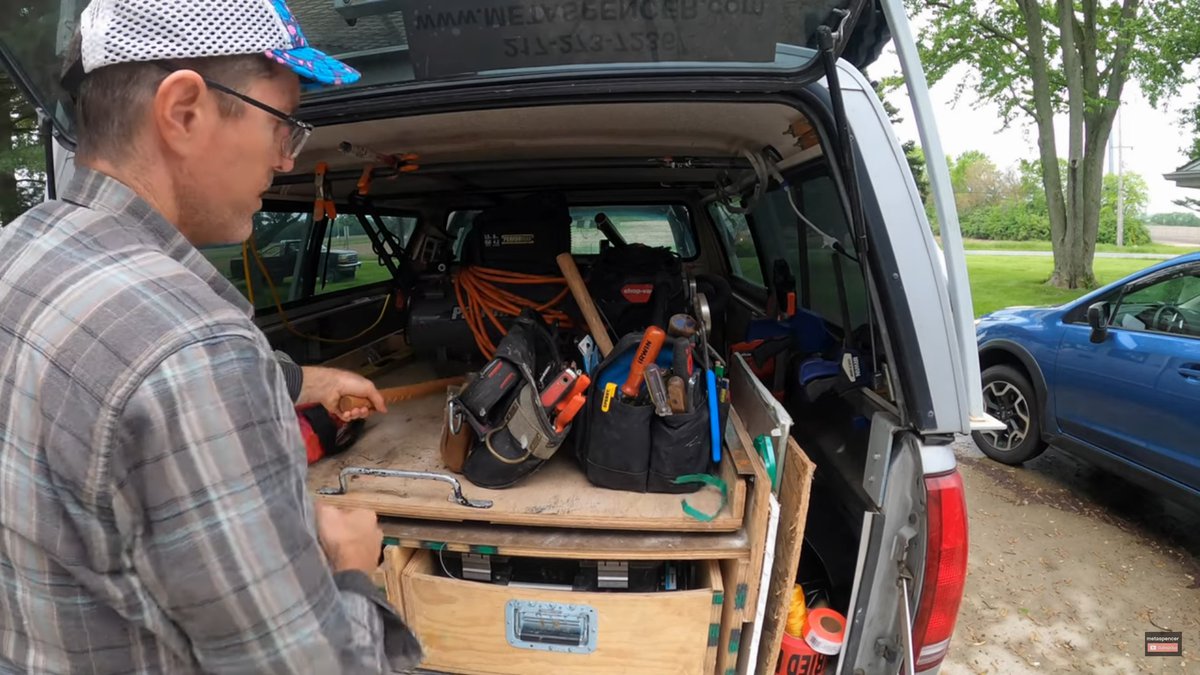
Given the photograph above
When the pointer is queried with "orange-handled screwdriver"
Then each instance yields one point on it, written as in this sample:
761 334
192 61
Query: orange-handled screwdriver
646 353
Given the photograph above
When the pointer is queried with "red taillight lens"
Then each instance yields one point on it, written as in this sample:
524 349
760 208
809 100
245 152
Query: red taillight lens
945 569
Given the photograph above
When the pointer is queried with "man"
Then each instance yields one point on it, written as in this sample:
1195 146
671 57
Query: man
153 509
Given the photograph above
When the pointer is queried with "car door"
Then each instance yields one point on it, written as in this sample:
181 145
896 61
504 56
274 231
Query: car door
1136 393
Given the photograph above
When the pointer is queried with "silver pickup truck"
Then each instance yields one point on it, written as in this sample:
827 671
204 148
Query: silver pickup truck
740 134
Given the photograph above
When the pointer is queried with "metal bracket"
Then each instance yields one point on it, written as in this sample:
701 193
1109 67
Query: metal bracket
477 567
612 574
906 636
457 496
884 428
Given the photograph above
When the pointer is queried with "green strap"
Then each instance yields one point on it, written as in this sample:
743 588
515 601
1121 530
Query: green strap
766 449
704 479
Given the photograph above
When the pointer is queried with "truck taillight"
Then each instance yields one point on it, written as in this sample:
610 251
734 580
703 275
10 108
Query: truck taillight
945 570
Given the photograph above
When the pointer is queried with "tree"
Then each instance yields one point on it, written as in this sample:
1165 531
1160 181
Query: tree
1175 219
22 156
1039 59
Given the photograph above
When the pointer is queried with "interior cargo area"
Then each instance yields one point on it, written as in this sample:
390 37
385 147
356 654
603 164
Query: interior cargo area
747 199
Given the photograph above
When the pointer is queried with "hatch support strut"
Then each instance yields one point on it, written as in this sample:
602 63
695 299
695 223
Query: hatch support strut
943 196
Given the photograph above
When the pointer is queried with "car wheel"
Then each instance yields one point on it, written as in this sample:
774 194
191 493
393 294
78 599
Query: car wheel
1009 397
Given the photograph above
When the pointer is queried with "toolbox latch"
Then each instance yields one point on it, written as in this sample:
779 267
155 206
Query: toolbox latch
612 574
477 567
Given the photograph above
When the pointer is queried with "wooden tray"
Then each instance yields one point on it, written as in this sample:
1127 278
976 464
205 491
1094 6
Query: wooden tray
557 495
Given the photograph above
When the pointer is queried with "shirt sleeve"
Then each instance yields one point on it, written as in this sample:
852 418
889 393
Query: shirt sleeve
293 374
209 469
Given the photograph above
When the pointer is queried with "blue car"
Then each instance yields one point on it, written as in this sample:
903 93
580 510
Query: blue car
1113 377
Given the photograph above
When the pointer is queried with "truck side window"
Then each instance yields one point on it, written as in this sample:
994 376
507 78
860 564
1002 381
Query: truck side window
347 259
819 201
281 237
739 244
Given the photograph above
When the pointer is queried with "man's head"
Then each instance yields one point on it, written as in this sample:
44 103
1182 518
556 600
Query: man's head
190 101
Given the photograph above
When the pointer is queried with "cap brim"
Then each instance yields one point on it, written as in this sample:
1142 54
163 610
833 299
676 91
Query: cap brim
315 66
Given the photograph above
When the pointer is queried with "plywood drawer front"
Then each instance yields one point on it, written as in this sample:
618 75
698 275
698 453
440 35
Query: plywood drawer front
464 626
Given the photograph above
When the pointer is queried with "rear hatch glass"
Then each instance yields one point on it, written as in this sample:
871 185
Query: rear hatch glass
421 43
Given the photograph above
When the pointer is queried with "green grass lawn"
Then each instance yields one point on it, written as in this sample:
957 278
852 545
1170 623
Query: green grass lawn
1004 281
989 245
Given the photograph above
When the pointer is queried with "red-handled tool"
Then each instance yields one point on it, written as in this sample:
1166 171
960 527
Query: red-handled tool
570 409
581 384
646 353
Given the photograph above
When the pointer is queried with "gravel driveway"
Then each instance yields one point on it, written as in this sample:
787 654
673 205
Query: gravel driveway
1069 568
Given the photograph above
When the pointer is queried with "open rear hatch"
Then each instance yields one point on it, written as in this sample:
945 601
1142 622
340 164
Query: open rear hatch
457 47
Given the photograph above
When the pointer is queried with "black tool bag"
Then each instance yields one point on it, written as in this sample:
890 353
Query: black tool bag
624 445
636 286
524 235
514 434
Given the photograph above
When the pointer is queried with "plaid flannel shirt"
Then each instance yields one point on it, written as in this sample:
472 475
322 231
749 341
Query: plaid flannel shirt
154 516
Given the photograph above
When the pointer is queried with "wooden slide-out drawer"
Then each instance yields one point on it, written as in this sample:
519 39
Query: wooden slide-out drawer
464 626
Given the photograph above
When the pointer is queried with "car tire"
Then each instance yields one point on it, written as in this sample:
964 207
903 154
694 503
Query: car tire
1010 397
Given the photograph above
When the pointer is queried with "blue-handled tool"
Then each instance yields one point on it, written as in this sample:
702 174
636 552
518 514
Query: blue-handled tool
714 415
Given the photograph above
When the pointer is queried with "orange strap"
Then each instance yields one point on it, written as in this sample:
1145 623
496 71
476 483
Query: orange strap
481 300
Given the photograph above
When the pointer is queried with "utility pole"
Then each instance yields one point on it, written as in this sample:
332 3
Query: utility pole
1120 183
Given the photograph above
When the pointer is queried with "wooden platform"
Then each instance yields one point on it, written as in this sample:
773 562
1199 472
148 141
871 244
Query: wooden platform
557 495
546 542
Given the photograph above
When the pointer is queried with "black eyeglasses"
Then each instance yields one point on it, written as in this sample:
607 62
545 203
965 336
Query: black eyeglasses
298 131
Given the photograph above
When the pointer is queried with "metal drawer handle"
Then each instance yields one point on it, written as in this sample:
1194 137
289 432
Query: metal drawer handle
457 496
551 626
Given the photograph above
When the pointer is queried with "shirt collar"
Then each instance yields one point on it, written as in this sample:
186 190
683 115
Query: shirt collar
98 191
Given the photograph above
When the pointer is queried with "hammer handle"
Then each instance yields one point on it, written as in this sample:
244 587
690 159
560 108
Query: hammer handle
579 291
401 393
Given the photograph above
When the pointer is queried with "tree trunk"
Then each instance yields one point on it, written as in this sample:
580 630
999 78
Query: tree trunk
1043 115
1074 270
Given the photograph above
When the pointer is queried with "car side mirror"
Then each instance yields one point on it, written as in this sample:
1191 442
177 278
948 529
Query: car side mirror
1097 315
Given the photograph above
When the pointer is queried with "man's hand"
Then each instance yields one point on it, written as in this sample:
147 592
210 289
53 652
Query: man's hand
327 386
351 538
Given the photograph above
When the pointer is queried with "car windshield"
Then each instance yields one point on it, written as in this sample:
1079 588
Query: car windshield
416 42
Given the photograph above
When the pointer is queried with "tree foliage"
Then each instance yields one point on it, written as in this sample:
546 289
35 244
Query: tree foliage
1010 205
1175 219
1038 59
22 156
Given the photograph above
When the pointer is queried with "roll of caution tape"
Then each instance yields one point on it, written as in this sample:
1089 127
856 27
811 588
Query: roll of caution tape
825 630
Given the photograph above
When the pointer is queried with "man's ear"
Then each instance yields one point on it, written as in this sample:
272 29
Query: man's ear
182 112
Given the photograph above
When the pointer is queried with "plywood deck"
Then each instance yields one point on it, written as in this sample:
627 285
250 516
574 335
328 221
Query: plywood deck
557 495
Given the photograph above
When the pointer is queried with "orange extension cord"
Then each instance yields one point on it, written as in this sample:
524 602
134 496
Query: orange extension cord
481 300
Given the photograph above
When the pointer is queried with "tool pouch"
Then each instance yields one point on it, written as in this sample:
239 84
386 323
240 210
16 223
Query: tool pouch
625 446
515 437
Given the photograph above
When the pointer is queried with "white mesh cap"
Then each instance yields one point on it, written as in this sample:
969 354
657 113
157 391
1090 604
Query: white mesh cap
123 31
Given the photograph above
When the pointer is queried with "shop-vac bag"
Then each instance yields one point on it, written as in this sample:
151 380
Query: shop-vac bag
624 445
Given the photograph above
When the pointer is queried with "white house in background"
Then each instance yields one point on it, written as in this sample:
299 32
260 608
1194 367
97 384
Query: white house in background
1187 176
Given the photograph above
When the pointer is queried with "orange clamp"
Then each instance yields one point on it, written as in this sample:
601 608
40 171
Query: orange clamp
323 201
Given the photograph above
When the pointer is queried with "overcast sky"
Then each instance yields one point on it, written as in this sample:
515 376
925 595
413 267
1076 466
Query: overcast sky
1153 137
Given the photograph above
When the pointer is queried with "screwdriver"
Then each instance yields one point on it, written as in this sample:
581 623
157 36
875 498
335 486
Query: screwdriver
646 353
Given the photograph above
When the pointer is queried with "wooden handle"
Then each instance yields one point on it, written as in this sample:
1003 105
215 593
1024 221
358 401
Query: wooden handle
676 394
579 291
401 393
